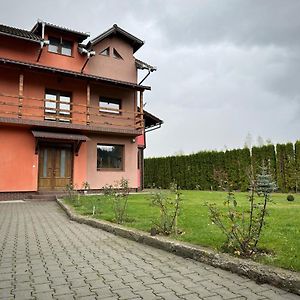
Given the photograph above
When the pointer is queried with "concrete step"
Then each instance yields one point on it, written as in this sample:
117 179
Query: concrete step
51 193
42 197
47 195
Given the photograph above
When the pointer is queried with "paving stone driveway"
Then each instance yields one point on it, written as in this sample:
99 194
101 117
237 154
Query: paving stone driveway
44 255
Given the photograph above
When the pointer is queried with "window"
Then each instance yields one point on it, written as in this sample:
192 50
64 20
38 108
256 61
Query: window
112 106
57 106
60 46
110 157
116 54
140 159
105 52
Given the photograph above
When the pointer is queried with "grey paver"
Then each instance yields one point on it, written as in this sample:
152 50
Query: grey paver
44 255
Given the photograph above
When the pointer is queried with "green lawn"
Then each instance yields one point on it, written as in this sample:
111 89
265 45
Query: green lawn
281 234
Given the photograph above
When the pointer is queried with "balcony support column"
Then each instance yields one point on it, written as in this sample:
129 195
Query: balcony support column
21 88
142 109
88 103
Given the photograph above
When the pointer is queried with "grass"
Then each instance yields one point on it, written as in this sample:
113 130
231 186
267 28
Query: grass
281 235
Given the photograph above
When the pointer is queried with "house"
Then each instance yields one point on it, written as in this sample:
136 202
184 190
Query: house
71 109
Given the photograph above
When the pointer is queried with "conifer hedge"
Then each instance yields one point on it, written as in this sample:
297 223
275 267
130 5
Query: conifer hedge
197 171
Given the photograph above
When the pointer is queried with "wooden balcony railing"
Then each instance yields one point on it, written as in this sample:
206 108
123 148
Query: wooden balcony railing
76 112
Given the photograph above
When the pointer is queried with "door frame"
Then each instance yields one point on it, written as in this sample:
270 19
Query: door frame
58 145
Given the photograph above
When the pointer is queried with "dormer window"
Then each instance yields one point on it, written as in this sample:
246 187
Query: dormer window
116 54
105 52
60 46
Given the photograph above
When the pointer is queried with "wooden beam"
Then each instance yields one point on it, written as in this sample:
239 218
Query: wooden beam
21 88
142 108
88 102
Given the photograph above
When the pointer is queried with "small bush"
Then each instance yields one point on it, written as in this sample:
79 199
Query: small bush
290 198
118 194
243 227
169 204
72 194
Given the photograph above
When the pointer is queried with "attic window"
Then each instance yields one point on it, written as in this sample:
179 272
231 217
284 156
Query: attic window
116 54
60 46
105 52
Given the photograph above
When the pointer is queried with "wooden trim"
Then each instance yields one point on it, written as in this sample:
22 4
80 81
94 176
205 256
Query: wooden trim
77 113
141 110
21 89
88 103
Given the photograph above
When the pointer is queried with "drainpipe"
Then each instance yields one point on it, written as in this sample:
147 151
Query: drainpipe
88 53
153 128
149 71
43 42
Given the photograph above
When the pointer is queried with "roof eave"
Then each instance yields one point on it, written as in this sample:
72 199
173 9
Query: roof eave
20 37
136 42
81 35
75 74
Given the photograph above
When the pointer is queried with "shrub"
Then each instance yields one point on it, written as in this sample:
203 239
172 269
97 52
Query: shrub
118 193
290 198
168 203
72 194
243 228
85 186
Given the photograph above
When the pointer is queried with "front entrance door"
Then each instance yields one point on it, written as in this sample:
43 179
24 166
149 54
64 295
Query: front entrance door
55 168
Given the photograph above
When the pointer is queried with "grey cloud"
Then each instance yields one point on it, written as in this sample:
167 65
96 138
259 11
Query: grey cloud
249 22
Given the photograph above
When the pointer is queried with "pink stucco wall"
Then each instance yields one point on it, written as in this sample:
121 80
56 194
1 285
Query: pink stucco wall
18 163
98 179
104 66
80 167
108 66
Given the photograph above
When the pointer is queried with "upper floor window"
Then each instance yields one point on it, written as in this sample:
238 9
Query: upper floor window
60 46
57 106
116 54
105 52
108 105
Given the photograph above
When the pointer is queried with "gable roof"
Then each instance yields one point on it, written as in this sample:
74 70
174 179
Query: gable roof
37 29
115 30
19 33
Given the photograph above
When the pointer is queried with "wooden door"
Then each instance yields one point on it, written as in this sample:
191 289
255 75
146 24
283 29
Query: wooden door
55 168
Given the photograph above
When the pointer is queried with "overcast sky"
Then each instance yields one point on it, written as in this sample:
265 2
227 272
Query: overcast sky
225 68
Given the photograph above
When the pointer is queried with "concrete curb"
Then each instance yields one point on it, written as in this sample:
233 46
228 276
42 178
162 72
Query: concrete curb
284 279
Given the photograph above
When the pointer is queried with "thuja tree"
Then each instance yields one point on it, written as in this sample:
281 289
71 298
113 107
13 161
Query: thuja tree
243 227
264 156
297 166
237 162
285 166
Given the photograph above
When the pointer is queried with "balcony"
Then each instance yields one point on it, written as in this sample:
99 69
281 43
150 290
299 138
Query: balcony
76 114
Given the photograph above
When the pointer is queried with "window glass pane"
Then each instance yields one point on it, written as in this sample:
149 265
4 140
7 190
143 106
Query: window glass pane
66 48
57 104
110 157
45 163
112 106
50 106
66 99
64 109
116 54
63 106
105 52
54 45
63 163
